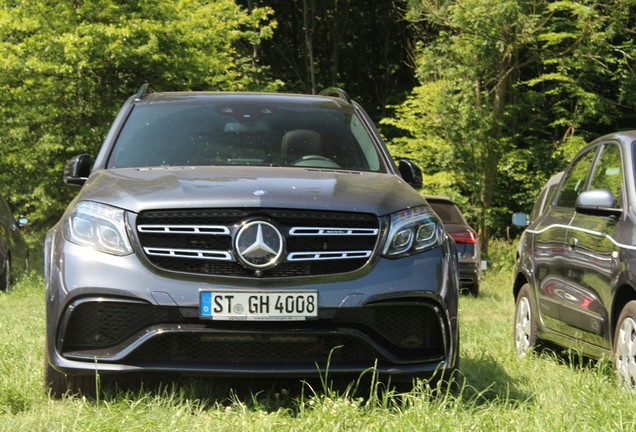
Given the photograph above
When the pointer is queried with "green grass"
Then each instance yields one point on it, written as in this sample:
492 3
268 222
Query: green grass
545 392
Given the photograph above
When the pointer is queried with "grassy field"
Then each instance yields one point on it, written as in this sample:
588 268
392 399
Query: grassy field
545 392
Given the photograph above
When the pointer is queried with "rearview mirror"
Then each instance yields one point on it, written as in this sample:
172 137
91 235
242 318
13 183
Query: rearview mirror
77 170
520 219
597 201
410 173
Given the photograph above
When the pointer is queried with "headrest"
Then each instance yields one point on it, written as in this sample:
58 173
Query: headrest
298 143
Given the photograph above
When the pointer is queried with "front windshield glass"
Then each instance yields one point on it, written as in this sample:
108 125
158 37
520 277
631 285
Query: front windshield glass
238 133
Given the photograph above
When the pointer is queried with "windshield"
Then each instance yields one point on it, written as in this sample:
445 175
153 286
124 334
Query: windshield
239 133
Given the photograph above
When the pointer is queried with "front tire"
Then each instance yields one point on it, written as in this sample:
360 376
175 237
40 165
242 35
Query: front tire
525 330
625 346
59 384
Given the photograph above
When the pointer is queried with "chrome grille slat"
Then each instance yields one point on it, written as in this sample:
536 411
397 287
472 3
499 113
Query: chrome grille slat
331 231
185 229
315 256
190 253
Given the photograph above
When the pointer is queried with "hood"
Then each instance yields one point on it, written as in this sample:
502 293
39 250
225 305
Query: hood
137 189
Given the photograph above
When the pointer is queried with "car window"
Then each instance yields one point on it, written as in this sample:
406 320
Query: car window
537 209
448 212
609 172
575 180
551 191
244 133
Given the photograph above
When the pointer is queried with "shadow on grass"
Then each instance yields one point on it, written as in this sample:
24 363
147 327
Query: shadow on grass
265 394
480 381
483 380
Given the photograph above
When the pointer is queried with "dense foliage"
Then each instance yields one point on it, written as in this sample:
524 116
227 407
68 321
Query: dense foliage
490 97
509 89
67 66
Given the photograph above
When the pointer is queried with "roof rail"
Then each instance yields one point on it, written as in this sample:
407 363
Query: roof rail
337 92
143 91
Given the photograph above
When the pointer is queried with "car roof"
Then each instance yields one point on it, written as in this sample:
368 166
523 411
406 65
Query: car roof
237 97
439 198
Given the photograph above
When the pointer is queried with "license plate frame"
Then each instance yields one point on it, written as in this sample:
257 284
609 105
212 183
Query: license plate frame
258 305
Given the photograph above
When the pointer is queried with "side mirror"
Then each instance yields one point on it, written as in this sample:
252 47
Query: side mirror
411 173
520 219
597 201
77 170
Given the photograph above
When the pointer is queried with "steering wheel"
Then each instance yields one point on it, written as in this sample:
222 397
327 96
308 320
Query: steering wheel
316 161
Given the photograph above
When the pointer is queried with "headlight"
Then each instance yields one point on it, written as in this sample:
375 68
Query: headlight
413 231
99 227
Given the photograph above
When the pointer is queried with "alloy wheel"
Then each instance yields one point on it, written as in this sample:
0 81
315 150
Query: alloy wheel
625 352
523 327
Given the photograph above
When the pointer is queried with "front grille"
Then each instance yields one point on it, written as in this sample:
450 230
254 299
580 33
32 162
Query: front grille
254 349
100 324
201 241
404 332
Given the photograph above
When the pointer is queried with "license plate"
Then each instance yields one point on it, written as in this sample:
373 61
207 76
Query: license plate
258 305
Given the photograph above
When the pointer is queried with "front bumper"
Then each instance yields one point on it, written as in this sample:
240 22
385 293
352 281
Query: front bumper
113 314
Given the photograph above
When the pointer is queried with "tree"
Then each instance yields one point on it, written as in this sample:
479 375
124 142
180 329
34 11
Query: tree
509 87
361 46
67 66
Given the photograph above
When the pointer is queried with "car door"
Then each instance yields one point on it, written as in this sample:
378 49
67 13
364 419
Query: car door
550 233
591 260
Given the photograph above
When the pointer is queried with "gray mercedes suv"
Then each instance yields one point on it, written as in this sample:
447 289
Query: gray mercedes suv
246 234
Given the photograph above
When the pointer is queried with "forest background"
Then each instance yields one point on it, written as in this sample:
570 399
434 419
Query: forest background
489 97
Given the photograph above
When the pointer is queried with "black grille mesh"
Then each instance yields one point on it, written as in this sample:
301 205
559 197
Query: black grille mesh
256 349
100 324
283 219
405 331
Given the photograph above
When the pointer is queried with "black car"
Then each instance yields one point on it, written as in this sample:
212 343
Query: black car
247 234
468 250
575 280
14 254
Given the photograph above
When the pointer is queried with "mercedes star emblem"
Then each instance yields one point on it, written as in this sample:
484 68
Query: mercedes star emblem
259 245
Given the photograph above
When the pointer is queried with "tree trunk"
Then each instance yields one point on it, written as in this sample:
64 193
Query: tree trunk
493 150
308 28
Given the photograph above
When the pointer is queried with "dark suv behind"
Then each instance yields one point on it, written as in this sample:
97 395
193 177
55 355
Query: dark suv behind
14 253
245 234
468 250
575 283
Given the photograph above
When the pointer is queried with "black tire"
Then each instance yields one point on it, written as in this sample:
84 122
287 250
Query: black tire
525 325
624 346
474 289
58 384
5 277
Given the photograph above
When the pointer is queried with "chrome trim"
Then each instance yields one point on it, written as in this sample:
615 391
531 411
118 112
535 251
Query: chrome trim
322 231
583 230
317 256
184 229
211 255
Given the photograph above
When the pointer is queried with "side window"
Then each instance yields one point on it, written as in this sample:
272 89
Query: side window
575 180
366 144
538 205
609 172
